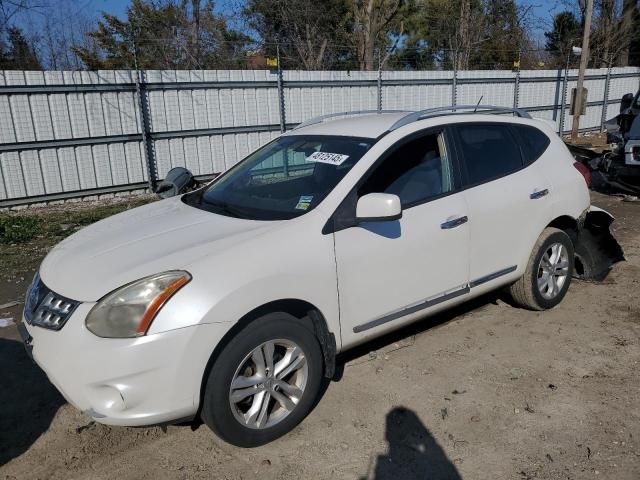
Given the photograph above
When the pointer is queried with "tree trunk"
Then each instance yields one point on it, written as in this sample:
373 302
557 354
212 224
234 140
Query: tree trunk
464 37
371 25
628 11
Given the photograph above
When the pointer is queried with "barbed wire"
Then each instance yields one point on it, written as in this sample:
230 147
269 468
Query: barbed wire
176 52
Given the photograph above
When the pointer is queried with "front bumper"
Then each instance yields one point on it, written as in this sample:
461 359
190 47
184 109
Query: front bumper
135 381
629 157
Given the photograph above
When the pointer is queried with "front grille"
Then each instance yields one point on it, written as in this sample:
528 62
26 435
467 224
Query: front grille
45 308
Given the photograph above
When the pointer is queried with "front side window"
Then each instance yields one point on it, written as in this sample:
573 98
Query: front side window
282 180
415 171
489 151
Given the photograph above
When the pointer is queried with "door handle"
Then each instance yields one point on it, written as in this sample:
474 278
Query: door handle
539 194
456 222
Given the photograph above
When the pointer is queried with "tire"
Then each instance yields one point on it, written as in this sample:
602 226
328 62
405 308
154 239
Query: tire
526 292
237 423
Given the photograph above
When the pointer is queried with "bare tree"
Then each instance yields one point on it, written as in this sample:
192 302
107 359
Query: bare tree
373 19
306 34
10 8
309 32
629 15
60 31
612 33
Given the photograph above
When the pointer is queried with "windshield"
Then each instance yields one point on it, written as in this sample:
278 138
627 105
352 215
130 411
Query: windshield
282 180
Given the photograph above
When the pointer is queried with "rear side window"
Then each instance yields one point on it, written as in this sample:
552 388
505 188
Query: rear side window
533 142
489 151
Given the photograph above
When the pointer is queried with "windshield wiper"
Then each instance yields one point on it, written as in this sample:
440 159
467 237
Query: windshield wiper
225 208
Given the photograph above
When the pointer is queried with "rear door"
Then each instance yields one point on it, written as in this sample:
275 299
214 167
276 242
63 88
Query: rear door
508 199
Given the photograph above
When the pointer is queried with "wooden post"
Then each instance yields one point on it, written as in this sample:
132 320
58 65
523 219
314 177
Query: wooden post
584 58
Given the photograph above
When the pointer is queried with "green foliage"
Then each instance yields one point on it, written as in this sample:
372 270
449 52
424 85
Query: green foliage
16 52
164 35
311 34
502 43
23 227
468 34
18 229
565 33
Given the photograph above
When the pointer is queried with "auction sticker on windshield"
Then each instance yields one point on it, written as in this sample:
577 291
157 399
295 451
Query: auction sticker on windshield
326 157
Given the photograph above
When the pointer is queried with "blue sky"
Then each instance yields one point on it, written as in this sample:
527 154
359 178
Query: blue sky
542 10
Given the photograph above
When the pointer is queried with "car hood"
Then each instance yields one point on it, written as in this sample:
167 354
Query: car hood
157 237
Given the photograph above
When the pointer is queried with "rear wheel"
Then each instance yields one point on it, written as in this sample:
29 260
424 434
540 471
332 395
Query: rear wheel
548 274
264 382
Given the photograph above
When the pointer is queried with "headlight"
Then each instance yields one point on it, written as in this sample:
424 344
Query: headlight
128 311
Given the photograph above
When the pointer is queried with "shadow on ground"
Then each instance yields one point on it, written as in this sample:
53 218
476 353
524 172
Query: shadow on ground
29 401
418 327
413 453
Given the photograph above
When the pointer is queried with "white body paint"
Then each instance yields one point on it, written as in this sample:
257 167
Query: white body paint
353 276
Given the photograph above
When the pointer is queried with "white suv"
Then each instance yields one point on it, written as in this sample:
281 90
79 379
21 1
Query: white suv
230 303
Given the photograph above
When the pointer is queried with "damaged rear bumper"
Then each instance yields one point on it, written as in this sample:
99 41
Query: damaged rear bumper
596 249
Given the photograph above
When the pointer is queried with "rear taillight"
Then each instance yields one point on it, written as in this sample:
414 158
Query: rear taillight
584 170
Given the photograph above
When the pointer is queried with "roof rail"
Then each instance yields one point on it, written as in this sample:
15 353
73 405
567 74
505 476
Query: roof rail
437 111
321 118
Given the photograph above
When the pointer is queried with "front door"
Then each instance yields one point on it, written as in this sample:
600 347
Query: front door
391 272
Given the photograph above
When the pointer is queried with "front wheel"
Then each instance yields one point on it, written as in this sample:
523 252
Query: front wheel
548 274
264 382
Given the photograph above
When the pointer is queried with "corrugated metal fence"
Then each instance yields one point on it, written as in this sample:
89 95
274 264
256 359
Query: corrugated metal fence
66 134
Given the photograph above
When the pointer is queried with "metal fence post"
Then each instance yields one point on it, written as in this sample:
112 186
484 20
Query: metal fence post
281 105
564 97
454 80
379 82
603 115
516 90
145 130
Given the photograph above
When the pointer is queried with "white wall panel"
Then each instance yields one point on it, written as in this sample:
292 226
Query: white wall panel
68 169
38 116
86 168
50 170
102 165
32 171
12 175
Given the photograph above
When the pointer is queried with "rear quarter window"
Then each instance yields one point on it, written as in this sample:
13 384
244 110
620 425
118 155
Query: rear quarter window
533 142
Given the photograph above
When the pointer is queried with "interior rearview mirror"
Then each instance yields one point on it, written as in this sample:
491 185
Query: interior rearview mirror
626 101
378 207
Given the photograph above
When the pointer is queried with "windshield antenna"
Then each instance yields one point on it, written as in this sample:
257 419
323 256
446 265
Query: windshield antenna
478 104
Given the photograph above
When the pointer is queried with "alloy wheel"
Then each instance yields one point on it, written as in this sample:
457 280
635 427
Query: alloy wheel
268 384
553 270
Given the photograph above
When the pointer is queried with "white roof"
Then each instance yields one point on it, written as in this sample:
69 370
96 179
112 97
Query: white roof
369 125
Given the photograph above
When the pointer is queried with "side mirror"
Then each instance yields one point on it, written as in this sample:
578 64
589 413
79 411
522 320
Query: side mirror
378 207
177 181
626 102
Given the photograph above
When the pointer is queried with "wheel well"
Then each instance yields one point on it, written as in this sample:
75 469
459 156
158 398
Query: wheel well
570 226
302 310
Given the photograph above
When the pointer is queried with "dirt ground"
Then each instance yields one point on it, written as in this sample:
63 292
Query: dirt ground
485 392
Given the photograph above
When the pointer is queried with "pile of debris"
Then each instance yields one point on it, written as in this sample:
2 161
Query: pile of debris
613 157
